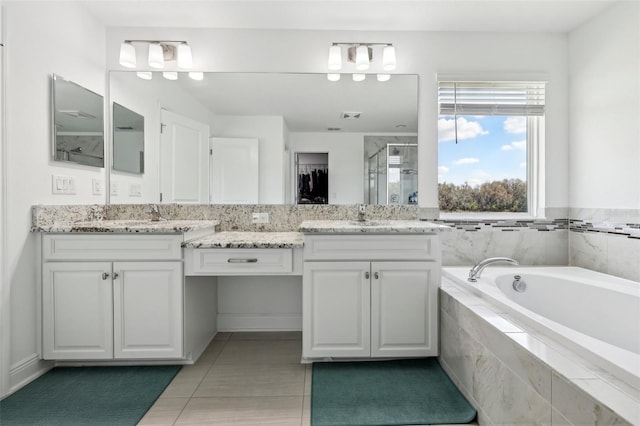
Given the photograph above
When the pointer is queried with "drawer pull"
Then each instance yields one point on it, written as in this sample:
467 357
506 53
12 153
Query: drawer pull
366 275
376 275
239 260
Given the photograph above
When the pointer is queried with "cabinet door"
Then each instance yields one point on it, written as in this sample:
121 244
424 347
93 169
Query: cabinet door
147 309
77 311
336 309
404 309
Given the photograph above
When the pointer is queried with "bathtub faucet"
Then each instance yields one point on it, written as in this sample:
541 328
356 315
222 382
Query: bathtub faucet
475 272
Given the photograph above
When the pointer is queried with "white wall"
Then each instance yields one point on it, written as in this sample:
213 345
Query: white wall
270 133
41 38
147 98
346 167
421 53
604 147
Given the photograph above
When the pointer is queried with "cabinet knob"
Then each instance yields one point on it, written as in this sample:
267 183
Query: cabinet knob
105 275
376 275
115 275
366 275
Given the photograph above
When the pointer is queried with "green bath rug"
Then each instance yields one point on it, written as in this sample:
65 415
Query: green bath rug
113 396
398 392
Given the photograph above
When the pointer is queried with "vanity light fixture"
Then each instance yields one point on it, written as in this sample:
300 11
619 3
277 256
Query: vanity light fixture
362 55
145 75
170 75
196 75
127 55
159 54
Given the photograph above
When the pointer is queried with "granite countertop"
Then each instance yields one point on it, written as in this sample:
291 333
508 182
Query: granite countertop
130 226
370 227
248 240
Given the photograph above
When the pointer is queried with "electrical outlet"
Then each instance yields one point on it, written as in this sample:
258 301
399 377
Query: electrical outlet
63 185
260 218
96 186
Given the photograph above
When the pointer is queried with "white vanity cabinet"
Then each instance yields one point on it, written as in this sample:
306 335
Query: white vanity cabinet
112 296
370 295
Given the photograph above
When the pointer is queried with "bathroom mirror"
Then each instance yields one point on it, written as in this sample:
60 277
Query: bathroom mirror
78 123
128 140
289 113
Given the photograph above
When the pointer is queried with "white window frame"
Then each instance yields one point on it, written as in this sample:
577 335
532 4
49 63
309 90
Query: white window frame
535 155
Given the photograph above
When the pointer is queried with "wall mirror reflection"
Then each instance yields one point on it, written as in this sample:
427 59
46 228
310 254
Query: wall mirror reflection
128 140
78 123
287 113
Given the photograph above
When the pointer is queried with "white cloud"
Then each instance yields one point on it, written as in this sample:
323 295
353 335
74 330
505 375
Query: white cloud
466 161
515 125
443 169
515 145
466 129
519 144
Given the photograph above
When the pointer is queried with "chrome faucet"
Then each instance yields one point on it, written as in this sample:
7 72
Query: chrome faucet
475 272
361 213
154 211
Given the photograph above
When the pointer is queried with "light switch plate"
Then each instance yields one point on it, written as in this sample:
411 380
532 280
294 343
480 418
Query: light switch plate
113 188
96 186
260 218
63 184
135 190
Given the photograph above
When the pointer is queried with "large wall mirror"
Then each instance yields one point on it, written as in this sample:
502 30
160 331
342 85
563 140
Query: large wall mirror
355 123
128 140
78 124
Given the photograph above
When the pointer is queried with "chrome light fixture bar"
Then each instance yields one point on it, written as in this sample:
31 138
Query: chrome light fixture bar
361 54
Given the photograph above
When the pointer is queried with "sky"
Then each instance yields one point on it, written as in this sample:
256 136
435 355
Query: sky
489 148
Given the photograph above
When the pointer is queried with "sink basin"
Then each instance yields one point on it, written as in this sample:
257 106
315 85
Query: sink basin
369 222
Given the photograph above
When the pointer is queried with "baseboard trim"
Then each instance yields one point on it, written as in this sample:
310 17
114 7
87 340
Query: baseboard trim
259 322
26 371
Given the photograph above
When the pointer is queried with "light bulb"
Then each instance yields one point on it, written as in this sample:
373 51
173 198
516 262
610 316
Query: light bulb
335 58
156 56
362 58
384 77
145 75
185 60
196 75
389 58
170 75
333 77
127 55
359 77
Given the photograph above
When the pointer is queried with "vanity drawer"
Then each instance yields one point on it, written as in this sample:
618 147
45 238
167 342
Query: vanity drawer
111 247
372 247
223 261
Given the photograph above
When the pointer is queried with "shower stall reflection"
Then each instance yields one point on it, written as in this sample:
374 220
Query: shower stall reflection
393 174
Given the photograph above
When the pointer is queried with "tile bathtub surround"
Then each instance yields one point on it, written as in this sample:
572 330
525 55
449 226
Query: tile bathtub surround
513 375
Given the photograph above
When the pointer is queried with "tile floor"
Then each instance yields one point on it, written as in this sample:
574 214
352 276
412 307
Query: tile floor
241 379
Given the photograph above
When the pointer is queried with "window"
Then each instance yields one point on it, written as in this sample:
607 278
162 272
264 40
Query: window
489 134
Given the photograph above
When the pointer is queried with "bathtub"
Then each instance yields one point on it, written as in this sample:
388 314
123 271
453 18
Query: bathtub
595 315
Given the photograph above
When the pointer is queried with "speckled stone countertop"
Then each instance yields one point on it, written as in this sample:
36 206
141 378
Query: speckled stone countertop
130 226
248 240
370 227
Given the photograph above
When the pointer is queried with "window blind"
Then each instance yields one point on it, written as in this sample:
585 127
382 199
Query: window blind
523 98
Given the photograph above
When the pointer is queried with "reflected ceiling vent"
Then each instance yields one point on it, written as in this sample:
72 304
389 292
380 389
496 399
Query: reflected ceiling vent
334 129
350 115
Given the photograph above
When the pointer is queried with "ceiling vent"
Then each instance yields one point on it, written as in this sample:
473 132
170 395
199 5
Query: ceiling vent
350 115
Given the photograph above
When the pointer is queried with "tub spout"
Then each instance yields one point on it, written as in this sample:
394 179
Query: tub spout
475 272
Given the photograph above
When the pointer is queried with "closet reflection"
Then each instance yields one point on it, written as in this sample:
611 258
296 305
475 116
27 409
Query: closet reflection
312 171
